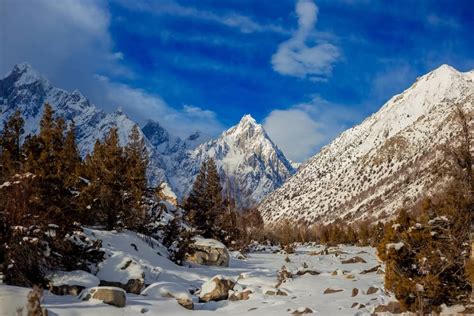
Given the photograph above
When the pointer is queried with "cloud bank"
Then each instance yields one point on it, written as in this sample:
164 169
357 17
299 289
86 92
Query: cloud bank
301 130
295 57
69 42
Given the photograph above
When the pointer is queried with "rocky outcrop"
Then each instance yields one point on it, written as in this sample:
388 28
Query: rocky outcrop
209 252
107 294
216 289
70 282
134 286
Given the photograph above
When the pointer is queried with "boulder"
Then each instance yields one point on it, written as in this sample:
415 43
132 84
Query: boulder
302 310
134 286
209 252
355 291
374 269
240 295
276 292
170 289
70 282
371 290
392 307
355 259
330 291
109 295
186 303
216 289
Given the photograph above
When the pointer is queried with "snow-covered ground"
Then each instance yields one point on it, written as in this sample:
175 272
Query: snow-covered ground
258 273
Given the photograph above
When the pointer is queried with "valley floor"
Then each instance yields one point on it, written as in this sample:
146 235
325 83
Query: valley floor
258 272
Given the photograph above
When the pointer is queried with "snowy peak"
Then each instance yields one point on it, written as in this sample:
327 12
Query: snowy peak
244 153
23 75
155 133
387 161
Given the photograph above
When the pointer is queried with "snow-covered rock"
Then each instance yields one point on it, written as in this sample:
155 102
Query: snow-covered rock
209 252
216 289
71 282
170 289
386 162
107 294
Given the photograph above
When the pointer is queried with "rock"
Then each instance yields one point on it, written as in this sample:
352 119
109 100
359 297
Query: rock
170 289
355 291
392 307
330 291
209 252
302 310
311 272
361 306
372 290
355 259
134 286
216 289
240 296
380 271
277 292
354 304
109 295
71 282
185 302
374 269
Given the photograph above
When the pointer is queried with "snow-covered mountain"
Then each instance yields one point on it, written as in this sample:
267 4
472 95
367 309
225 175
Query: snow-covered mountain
245 153
387 161
27 90
252 163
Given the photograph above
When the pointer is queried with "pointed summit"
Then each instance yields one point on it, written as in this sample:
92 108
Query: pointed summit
24 74
247 118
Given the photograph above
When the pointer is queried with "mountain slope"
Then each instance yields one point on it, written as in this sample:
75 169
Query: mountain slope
252 163
245 153
26 90
387 161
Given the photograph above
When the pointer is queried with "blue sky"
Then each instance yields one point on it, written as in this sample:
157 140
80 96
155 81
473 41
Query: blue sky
305 69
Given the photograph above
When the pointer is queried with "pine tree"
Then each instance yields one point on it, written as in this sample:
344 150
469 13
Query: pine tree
11 157
196 205
137 162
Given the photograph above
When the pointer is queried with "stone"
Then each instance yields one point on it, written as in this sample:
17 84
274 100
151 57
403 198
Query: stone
301 311
134 286
185 302
392 307
311 272
209 252
355 291
70 282
355 259
374 269
216 289
240 296
109 295
371 290
354 304
330 291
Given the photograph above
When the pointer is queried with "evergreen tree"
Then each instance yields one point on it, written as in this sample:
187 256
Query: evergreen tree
11 157
137 162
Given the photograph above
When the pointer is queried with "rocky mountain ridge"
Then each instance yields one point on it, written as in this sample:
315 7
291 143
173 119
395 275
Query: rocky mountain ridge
388 161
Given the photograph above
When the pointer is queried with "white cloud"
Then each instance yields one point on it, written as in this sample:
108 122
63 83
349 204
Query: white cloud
295 58
141 105
243 23
69 42
294 131
301 130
